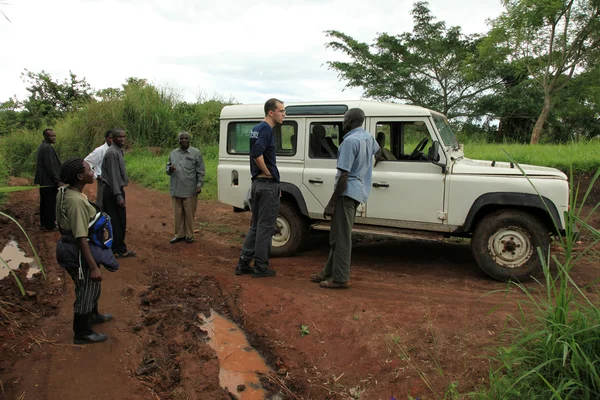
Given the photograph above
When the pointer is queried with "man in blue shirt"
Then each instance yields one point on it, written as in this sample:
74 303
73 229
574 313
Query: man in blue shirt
264 193
352 187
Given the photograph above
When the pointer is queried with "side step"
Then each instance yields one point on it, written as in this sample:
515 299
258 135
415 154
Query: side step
386 231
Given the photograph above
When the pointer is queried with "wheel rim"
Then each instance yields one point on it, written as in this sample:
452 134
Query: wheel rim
510 247
282 236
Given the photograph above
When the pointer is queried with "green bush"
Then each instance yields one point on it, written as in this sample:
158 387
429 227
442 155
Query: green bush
19 151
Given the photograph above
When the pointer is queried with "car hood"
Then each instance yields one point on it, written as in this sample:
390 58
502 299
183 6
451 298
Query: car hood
484 167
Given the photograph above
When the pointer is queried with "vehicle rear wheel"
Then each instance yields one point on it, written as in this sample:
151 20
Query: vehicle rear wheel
291 230
505 244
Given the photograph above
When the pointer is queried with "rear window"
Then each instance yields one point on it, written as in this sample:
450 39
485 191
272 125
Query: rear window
238 137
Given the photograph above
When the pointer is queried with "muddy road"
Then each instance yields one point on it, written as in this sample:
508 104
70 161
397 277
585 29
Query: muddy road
419 317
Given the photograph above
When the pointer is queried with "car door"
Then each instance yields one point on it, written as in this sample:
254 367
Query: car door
407 188
320 162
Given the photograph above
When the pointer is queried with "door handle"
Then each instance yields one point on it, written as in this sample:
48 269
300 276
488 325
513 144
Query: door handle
377 185
314 181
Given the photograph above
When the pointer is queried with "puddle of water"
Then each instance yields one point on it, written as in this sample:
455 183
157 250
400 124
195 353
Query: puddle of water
14 256
239 361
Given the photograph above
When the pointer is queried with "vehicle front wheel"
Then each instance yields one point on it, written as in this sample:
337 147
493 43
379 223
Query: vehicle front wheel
505 244
291 230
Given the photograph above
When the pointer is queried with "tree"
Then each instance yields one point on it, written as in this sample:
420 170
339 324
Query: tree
552 39
50 100
433 66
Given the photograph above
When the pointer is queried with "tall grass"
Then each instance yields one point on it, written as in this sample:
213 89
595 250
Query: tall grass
554 350
148 169
583 157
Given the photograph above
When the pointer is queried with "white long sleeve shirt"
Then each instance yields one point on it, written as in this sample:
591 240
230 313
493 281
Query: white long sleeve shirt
95 159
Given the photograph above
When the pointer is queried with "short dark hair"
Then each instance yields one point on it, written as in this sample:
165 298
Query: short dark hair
271 105
45 132
107 134
114 131
70 169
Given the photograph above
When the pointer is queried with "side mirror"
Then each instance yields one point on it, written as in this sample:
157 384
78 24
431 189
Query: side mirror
433 154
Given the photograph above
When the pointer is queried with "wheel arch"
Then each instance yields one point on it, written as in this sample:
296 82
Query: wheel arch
536 205
291 193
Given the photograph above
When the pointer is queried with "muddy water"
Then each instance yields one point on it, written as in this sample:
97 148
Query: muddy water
14 257
239 361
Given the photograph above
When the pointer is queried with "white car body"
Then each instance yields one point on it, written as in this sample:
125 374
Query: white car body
443 194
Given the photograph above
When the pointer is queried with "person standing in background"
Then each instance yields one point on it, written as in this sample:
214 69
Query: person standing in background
47 175
114 176
95 159
186 169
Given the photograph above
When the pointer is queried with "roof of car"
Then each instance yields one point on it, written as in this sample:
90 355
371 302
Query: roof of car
371 108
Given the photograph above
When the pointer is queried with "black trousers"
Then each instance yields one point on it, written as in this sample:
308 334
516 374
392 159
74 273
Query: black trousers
118 219
48 207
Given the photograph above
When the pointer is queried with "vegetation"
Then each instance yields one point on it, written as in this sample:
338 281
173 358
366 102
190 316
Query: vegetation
536 68
548 41
555 354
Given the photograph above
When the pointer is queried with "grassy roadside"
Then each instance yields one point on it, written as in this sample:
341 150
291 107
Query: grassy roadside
583 156
148 169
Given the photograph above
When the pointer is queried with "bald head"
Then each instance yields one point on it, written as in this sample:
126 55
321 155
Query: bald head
353 118
184 140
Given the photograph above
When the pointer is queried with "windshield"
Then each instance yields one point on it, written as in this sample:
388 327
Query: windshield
445 131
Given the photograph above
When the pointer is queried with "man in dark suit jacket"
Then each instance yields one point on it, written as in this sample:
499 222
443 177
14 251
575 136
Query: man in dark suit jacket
47 172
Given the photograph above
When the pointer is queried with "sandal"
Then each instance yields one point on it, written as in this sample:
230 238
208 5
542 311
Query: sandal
331 284
129 253
318 277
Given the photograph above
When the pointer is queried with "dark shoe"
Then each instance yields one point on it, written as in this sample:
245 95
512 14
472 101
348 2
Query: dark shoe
318 277
242 267
189 240
97 318
129 253
263 273
83 333
176 239
90 337
331 284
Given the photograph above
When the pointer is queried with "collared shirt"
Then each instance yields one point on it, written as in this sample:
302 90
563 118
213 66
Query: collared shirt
47 166
355 155
73 212
113 170
95 159
189 172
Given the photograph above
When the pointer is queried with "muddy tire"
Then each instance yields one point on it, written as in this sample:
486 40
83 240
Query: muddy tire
292 228
505 244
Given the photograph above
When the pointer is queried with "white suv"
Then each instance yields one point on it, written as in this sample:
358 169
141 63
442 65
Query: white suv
425 187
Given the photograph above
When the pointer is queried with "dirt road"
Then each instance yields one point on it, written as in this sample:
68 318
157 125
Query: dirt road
418 317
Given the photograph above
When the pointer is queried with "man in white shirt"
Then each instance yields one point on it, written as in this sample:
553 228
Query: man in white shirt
95 160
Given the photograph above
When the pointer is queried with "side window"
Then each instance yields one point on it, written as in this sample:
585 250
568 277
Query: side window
401 140
238 137
324 139
286 138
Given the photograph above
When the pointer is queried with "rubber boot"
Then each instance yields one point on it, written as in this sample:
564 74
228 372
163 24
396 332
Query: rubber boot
243 267
97 318
83 333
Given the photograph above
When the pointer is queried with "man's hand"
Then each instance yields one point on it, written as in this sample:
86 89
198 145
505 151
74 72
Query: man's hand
328 210
95 274
121 202
172 168
198 190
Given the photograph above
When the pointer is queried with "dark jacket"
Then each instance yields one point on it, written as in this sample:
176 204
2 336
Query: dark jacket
47 166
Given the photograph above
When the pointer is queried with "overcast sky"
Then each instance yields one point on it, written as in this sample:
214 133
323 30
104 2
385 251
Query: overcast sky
247 50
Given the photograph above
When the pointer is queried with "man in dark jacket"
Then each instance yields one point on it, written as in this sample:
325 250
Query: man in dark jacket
47 171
